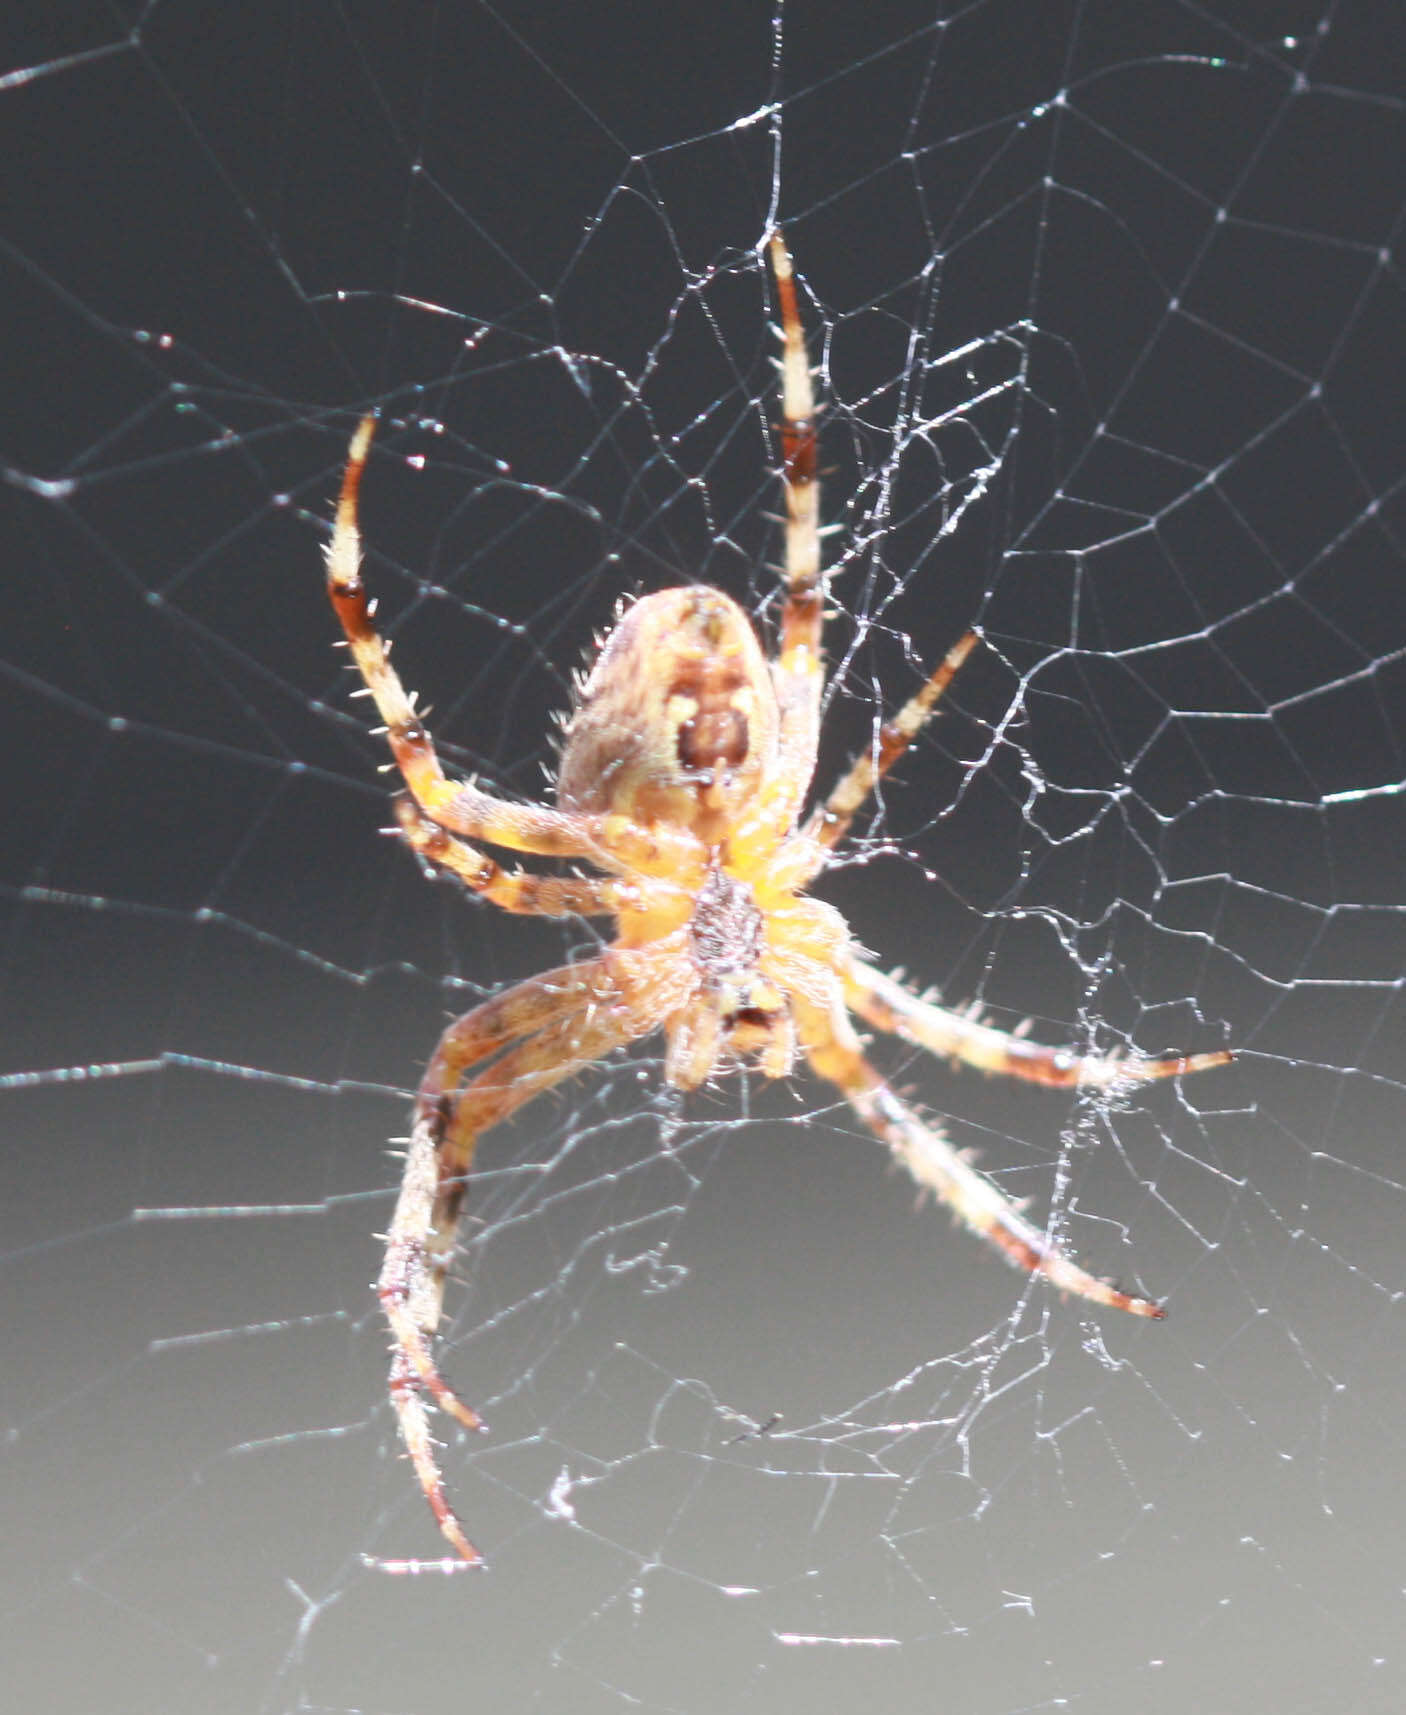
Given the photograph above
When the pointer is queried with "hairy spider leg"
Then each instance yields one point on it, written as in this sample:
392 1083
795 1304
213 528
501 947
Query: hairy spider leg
547 1028
559 1022
609 841
834 1052
887 1005
513 890
422 1231
799 668
829 822
798 671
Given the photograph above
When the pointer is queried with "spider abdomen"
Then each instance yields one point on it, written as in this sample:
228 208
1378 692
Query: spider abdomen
678 719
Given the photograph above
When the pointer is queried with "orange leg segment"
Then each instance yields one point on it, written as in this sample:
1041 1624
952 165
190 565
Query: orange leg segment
830 822
936 1166
885 1003
799 670
513 890
542 1032
557 1014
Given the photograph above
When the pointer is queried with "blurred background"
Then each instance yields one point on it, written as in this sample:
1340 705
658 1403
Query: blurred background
1106 311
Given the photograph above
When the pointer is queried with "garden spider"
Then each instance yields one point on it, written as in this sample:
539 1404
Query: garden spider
687 762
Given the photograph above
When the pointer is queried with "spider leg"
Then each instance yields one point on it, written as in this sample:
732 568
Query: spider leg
921 1148
425 1224
513 890
830 822
547 1029
460 806
799 668
888 1005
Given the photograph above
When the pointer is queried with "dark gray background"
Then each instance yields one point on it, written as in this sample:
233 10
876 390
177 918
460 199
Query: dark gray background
530 237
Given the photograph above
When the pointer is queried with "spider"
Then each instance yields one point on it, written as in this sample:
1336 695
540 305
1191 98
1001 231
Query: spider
683 779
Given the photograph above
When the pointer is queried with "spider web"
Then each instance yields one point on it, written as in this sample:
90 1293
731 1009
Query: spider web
1106 303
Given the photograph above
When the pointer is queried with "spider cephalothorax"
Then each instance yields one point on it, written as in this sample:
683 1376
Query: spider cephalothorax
685 771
